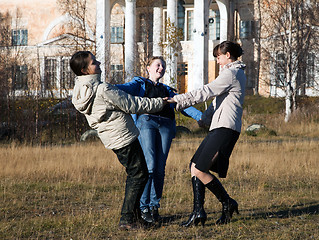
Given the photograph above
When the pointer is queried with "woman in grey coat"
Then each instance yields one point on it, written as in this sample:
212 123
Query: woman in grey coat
224 117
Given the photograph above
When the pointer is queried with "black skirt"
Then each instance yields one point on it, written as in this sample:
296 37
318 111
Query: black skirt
221 141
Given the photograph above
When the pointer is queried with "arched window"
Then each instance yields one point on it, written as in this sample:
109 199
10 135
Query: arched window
214 24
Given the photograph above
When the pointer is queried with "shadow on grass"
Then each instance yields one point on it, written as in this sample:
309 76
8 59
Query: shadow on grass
311 208
178 218
296 210
172 218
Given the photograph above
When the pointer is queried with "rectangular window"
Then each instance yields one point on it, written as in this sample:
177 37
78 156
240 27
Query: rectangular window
20 77
50 79
182 69
67 76
214 25
310 81
117 35
181 18
58 74
246 29
19 37
116 74
146 26
182 72
190 24
164 25
249 71
143 27
280 70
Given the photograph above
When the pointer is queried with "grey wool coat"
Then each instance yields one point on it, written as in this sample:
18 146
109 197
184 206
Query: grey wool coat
228 89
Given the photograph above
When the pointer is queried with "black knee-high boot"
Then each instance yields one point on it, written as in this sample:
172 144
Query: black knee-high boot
198 214
229 205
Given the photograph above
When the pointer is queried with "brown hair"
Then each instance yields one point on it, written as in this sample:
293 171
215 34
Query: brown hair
152 59
79 61
234 49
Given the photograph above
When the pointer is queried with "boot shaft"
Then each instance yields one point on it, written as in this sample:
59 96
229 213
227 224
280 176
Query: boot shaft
218 190
198 192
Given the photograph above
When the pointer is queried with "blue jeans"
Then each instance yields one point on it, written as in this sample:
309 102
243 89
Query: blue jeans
156 135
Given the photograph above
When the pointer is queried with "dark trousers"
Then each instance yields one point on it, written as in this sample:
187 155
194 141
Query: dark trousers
132 158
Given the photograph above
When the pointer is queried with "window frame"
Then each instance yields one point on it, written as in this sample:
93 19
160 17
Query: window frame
280 74
19 37
66 76
20 77
310 73
116 35
116 73
249 29
214 28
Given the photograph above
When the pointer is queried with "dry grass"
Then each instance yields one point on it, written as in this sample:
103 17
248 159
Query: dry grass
299 126
75 192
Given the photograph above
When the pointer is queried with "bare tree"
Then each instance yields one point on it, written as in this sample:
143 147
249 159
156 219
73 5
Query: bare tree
21 102
5 26
5 39
82 26
171 46
18 77
144 37
288 38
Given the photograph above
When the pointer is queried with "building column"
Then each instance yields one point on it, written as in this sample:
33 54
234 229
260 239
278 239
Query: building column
200 45
130 29
42 76
103 13
170 78
157 28
223 6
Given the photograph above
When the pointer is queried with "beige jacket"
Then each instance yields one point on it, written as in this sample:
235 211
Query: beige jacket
107 109
228 89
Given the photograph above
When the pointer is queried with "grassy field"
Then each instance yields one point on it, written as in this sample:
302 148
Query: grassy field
75 191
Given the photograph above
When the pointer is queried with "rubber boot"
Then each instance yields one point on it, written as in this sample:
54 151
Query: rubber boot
229 205
198 214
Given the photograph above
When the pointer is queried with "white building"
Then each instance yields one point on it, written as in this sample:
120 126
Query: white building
124 34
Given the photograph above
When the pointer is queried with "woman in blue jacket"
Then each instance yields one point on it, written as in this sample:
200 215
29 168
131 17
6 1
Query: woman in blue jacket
157 131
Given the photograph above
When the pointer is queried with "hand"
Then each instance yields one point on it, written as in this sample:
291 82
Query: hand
170 100
201 123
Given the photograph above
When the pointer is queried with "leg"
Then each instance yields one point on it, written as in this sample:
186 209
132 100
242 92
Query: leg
215 154
147 139
164 137
205 177
198 214
132 158
229 205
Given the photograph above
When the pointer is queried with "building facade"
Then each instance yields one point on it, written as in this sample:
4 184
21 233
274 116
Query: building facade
41 36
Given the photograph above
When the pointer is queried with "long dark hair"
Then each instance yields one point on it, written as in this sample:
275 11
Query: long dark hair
234 49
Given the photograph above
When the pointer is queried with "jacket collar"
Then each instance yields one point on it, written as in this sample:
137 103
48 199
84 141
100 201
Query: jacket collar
236 64
93 78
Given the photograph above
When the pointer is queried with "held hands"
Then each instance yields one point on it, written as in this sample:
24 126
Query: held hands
169 100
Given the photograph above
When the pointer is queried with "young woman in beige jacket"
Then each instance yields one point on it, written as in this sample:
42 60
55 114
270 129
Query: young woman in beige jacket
224 117
107 110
